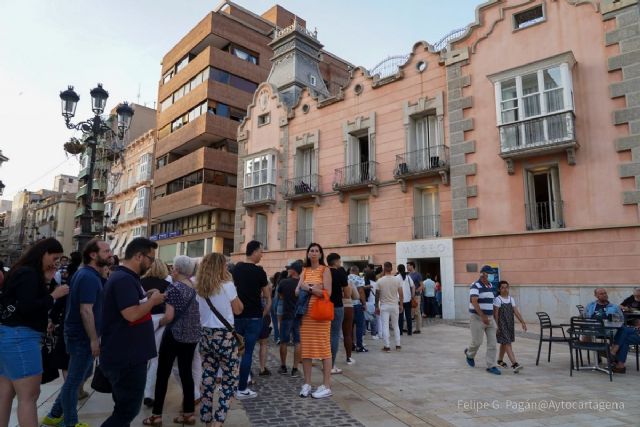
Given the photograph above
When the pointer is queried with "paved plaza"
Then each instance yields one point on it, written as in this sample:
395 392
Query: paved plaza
427 383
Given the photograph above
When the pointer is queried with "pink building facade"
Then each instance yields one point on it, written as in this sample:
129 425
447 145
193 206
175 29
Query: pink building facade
516 144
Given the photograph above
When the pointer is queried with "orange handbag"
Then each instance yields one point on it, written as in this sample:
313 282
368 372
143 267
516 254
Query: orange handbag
322 309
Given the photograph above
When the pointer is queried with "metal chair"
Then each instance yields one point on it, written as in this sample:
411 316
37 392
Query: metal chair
600 341
545 324
580 309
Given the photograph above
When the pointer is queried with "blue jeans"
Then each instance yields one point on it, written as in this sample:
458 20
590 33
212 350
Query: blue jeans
127 383
80 366
250 330
358 319
274 318
624 337
336 328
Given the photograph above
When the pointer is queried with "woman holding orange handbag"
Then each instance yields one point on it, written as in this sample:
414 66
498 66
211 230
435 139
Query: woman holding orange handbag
315 330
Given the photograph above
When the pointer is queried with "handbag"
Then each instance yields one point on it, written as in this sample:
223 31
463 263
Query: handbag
414 302
49 369
6 309
322 310
239 338
100 383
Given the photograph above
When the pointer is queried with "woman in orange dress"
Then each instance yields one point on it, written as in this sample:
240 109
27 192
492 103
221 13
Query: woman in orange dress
315 335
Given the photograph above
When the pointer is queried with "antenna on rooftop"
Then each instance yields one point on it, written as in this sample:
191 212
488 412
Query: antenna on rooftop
139 85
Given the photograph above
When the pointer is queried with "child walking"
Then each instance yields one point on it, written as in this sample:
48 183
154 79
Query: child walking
505 309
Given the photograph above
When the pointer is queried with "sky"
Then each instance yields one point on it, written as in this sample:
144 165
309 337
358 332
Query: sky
46 45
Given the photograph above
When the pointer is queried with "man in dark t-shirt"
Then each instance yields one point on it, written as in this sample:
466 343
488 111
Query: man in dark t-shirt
338 283
127 331
251 283
290 326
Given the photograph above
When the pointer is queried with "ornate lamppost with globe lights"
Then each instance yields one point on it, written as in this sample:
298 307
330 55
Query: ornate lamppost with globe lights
93 130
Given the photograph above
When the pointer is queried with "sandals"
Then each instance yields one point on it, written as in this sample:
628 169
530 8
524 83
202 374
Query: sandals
185 420
153 420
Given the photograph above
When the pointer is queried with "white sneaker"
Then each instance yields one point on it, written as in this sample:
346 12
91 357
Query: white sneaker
321 392
306 390
246 394
336 370
350 361
375 337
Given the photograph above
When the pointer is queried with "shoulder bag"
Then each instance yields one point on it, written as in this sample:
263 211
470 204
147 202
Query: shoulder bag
239 338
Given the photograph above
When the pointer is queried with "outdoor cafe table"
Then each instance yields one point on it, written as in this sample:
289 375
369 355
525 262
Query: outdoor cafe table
611 327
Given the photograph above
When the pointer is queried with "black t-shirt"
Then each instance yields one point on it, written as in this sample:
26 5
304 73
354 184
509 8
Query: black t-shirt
29 293
149 283
125 343
338 281
287 291
631 303
249 280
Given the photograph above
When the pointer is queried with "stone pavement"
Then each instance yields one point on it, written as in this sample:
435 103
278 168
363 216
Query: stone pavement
427 383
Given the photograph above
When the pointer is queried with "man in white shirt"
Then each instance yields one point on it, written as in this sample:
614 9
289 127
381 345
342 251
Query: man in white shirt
389 299
430 297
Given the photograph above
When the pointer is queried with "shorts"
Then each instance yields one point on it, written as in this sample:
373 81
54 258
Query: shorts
266 328
290 328
279 307
21 354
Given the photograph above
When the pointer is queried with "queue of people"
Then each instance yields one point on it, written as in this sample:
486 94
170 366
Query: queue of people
134 320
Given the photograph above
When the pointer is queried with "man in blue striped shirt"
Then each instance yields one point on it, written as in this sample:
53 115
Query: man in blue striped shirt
481 321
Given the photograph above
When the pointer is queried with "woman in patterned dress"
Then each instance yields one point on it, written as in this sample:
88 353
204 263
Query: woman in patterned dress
315 335
503 312
181 335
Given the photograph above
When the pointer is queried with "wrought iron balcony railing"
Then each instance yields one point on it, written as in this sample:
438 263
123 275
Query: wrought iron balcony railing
422 162
260 194
539 133
302 186
544 215
358 233
426 226
356 175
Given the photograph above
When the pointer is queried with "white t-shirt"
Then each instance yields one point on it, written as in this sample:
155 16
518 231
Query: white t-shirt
222 303
407 283
499 301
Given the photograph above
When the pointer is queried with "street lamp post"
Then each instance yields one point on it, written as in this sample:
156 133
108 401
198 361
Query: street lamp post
93 129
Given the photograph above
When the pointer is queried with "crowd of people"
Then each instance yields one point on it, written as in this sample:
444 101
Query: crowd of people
132 322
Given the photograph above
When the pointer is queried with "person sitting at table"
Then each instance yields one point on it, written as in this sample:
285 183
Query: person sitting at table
601 307
625 337
632 302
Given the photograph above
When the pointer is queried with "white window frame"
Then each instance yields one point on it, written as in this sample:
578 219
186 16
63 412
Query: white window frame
564 63
262 176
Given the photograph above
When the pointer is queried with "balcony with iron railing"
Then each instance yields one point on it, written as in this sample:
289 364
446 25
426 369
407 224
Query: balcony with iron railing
426 226
420 163
355 176
544 215
302 187
358 233
260 195
542 135
303 237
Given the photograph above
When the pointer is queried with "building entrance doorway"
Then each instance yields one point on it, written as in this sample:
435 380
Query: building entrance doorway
430 266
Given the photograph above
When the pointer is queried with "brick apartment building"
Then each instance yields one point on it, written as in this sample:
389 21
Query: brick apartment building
207 81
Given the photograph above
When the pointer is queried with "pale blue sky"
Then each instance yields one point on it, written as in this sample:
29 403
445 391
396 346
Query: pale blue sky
47 44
